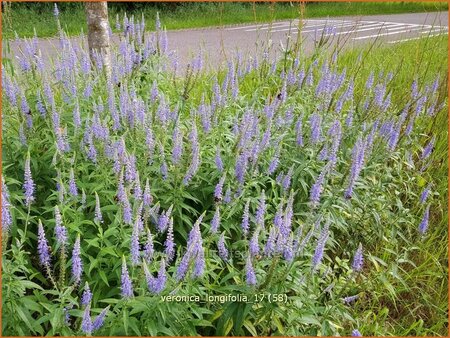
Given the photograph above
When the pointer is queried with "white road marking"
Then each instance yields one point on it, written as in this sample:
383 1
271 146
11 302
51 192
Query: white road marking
293 26
385 34
443 30
366 28
416 38
319 29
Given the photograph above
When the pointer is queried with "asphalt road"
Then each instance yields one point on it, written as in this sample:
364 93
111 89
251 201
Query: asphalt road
220 43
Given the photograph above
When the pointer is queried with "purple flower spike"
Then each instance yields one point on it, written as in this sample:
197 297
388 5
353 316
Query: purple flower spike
215 223
358 259
6 208
356 333
424 224
148 248
77 265
260 212
43 248
147 197
428 149
315 122
134 243
350 299
223 251
126 288
227 198
269 248
245 225
250 276
169 245
219 188
55 11
425 194
87 295
358 154
98 213
28 185
72 184
86 324
98 322
318 253
317 187
218 160
253 244
60 229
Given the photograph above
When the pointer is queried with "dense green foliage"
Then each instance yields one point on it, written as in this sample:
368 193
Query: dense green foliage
129 128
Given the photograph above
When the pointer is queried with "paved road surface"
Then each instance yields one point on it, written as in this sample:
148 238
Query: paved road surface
218 43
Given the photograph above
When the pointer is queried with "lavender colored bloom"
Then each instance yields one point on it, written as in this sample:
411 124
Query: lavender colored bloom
77 264
98 322
6 208
126 286
358 154
245 225
317 187
260 212
56 11
254 243
163 220
350 299
423 226
315 122
177 149
299 132
126 211
199 263
318 253
223 251
28 185
60 229
148 248
218 160
169 244
195 162
134 243
147 197
274 162
286 183
43 248
215 223
425 193
428 149
86 323
72 184
358 259
288 253
356 333
87 295
98 212
250 276
269 248
137 190
227 198
218 189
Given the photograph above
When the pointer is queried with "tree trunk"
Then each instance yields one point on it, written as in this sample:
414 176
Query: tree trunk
98 33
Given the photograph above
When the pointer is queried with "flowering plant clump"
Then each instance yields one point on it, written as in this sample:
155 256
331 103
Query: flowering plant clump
269 180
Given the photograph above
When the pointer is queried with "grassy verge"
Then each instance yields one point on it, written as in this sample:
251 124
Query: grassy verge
185 15
408 291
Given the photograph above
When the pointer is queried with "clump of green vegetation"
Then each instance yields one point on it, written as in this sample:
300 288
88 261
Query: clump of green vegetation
311 188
